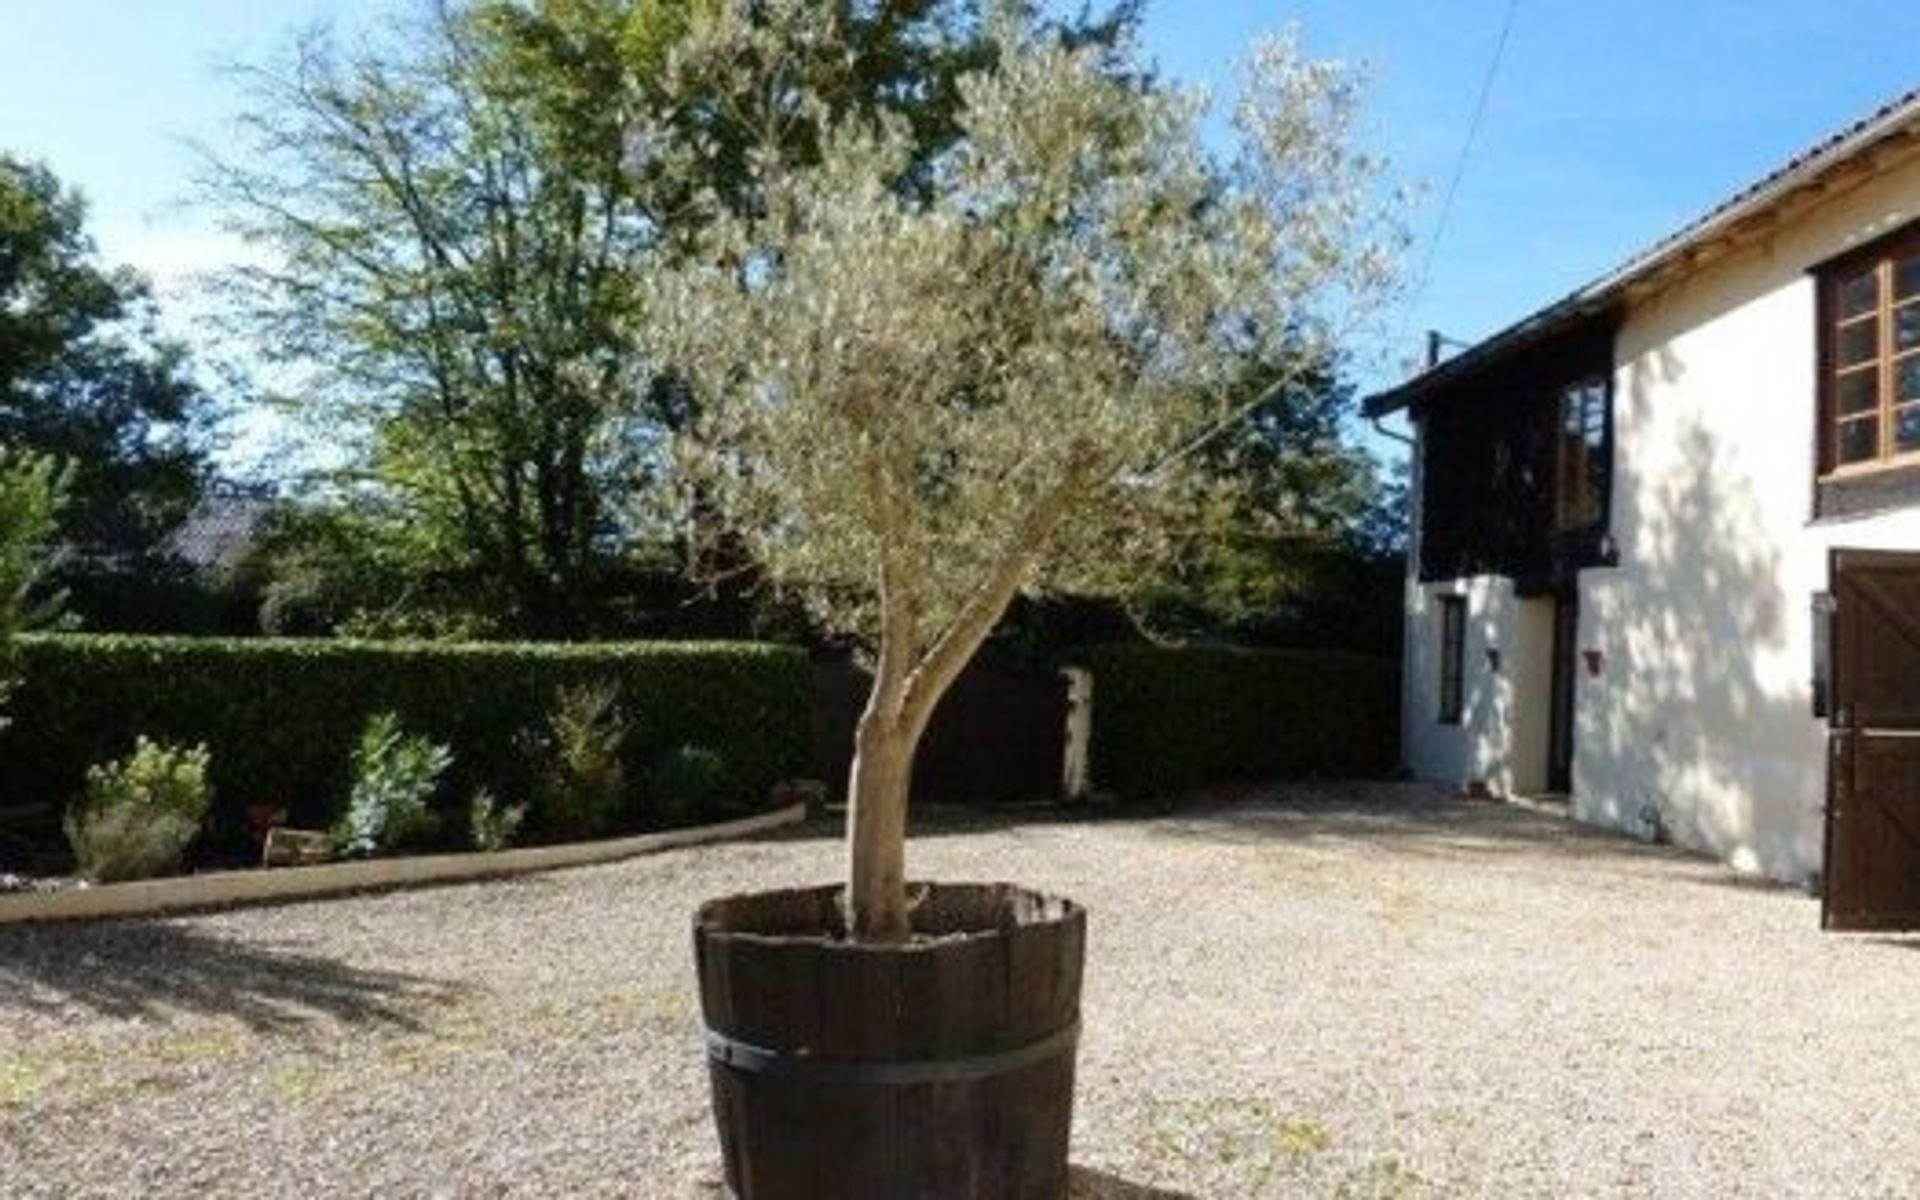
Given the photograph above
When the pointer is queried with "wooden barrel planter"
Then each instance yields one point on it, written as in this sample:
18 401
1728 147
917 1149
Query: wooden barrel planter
937 1069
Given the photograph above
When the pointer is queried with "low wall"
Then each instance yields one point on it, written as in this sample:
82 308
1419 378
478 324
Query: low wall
221 889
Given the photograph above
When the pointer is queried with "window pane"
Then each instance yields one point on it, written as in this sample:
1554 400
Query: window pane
1859 391
1593 414
1583 412
1858 440
1907 379
1453 631
1580 459
1859 342
1859 294
1906 429
1906 327
1906 278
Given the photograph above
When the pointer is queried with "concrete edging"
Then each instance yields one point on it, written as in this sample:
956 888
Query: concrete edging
221 889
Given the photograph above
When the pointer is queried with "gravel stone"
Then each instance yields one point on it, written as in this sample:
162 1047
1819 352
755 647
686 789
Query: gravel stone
1357 990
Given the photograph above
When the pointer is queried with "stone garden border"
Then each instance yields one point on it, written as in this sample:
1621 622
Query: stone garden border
221 889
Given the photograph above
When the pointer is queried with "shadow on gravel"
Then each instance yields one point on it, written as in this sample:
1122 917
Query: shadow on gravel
945 820
1424 822
1450 827
1412 819
1089 1184
152 971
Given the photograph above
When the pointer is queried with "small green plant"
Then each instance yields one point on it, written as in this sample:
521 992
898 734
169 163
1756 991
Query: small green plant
394 776
492 825
1300 1138
139 815
691 783
583 775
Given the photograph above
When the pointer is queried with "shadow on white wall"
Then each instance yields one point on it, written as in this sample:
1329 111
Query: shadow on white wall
1693 730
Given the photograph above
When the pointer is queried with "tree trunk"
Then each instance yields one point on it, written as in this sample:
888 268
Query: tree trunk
877 826
902 704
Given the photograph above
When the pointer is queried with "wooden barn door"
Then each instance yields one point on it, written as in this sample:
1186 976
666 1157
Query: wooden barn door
1872 877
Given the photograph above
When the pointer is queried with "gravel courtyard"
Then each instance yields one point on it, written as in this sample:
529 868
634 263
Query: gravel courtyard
1335 991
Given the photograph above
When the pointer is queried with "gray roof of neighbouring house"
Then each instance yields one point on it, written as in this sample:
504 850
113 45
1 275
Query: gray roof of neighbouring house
220 530
1898 119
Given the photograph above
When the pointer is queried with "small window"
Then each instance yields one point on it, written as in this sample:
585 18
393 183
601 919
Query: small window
1453 657
1580 457
1870 350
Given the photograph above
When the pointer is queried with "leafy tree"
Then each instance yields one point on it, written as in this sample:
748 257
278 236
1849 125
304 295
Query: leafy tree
1311 553
358 570
919 402
31 492
84 379
453 225
444 248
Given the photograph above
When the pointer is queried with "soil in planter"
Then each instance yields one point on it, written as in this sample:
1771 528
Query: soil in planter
939 1069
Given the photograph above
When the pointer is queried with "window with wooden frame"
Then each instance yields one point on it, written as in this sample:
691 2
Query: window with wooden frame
1582 439
1870 358
1453 658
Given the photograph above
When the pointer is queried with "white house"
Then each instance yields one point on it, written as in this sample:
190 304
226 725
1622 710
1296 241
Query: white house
1631 510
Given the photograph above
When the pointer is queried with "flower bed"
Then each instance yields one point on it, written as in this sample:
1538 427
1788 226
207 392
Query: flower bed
280 720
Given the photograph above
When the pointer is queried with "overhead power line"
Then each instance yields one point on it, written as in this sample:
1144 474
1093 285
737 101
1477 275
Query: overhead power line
1472 138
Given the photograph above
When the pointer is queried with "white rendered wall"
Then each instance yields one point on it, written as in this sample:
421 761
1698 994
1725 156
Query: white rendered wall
1700 717
1501 741
1704 707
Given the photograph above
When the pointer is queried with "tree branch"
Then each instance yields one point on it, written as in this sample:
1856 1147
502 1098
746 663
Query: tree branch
950 653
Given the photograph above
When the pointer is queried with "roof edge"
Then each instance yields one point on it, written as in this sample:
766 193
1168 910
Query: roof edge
1896 117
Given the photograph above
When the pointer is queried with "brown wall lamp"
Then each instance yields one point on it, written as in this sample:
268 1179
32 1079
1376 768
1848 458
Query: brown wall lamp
1595 660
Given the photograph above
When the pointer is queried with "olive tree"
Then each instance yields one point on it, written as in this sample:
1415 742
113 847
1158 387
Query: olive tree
918 401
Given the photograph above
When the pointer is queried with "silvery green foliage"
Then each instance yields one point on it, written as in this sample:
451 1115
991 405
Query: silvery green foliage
138 815
915 401
394 776
493 825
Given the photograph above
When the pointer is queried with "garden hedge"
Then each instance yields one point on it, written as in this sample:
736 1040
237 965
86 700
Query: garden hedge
1170 719
281 715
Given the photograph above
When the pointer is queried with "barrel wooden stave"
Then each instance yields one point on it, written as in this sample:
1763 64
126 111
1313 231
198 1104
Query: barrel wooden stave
775 975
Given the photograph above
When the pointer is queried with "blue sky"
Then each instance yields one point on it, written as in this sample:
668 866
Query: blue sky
1609 124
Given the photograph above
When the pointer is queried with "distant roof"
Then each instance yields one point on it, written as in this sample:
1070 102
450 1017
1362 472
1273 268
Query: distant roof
220 531
1896 119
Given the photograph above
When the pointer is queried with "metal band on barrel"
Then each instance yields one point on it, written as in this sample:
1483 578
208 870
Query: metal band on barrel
758 1060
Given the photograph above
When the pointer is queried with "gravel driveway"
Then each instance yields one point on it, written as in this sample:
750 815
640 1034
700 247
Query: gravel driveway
1345 991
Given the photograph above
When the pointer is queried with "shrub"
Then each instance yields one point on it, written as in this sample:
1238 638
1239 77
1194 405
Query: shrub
31 492
281 716
138 815
1169 719
491 826
394 775
690 782
583 776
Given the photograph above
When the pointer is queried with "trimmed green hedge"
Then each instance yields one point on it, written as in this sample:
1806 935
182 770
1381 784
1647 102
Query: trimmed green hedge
281 715
1165 720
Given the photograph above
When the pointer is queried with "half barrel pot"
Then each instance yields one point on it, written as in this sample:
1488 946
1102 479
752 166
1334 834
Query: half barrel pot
938 1069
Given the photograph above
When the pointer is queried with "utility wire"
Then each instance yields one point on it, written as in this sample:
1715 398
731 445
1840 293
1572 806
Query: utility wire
1466 147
